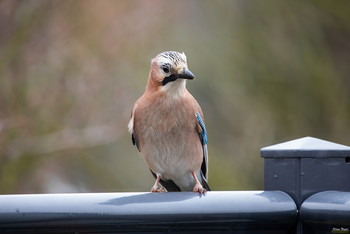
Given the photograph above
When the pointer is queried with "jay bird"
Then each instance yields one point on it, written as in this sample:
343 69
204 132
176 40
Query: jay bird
168 129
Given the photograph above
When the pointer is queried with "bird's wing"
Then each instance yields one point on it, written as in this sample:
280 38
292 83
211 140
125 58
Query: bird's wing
131 127
204 140
134 141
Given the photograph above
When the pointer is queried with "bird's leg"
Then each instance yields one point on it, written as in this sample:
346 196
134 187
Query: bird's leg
198 188
157 188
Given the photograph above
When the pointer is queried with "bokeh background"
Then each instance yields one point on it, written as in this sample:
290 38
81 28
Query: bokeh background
70 71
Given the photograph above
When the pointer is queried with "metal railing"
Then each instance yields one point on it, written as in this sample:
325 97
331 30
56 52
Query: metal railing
148 212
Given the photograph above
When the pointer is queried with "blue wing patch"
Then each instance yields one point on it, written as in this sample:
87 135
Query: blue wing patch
203 135
204 141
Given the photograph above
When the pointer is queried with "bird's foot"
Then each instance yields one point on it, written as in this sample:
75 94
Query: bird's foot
156 189
198 188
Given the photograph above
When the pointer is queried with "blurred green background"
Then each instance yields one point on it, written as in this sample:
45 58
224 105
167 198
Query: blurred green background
70 71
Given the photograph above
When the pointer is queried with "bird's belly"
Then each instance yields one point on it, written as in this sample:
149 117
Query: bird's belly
173 164
173 156
167 159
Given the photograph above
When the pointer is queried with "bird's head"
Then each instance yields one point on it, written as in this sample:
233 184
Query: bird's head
169 70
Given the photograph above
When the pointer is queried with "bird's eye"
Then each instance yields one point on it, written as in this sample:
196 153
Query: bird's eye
165 70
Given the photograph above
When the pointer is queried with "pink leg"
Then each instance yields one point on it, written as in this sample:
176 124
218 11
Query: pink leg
157 188
198 188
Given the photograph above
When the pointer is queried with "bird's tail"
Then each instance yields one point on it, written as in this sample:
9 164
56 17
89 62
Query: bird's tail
205 182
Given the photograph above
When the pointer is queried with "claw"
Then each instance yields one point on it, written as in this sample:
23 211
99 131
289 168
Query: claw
157 188
198 188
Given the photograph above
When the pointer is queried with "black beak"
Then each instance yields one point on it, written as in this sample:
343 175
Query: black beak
186 75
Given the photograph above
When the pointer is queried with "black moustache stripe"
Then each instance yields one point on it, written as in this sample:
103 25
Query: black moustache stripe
168 79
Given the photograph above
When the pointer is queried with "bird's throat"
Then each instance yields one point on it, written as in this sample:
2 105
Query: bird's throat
175 89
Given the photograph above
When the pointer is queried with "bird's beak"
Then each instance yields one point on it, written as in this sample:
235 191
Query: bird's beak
186 74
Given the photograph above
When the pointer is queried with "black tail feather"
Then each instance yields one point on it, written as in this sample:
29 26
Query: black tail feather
169 185
205 182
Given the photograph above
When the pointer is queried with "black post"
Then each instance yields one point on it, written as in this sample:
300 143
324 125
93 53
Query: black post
306 166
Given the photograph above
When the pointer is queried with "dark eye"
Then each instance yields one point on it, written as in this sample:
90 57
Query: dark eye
165 69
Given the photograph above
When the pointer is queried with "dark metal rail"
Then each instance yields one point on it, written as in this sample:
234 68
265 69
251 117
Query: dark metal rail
327 211
244 211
